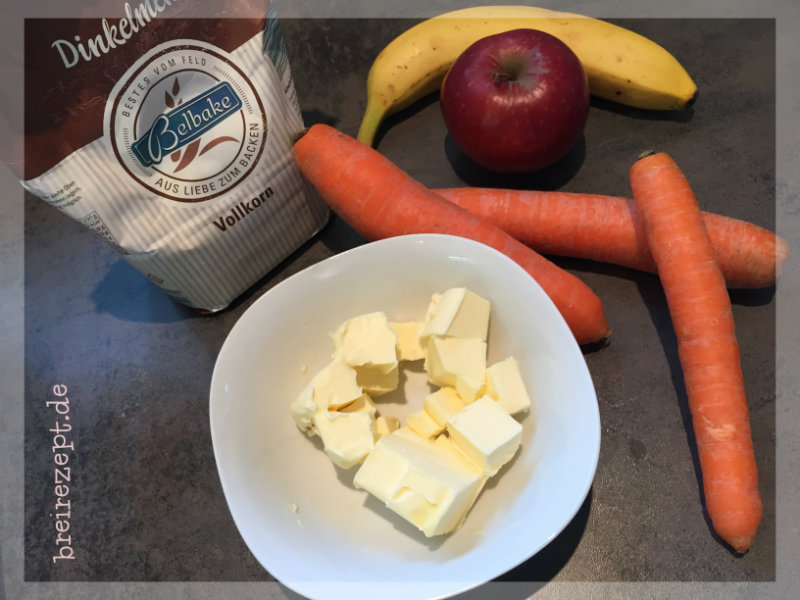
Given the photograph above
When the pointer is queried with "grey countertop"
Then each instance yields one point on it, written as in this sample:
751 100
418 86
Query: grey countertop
148 506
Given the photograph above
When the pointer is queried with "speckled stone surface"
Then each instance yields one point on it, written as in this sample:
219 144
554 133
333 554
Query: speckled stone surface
146 499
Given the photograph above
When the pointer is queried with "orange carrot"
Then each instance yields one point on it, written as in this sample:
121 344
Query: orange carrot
608 229
379 200
707 348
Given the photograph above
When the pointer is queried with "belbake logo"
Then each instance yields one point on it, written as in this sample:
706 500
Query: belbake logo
186 122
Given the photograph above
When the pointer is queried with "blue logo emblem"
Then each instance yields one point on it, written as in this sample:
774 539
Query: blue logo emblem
187 122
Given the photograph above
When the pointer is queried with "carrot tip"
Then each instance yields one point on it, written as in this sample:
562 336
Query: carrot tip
646 153
604 341
741 544
295 137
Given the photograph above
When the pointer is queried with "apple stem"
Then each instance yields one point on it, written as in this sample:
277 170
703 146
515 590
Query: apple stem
508 72
516 69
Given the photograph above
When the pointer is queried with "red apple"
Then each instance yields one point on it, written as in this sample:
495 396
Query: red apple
516 101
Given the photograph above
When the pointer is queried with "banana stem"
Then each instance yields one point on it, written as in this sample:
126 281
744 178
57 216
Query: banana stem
373 115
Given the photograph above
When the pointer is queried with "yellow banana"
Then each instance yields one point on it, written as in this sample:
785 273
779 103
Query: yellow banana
621 65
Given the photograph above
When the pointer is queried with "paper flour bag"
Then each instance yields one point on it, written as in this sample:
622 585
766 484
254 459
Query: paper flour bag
171 138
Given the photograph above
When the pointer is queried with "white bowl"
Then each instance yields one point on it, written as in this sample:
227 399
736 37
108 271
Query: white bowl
300 515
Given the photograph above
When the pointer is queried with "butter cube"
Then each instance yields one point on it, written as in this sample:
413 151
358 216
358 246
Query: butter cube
457 312
383 426
347 437
362 404
383 469
442 404
336 386
367 339
504 384
426 483
369 345
446 443
408 343
378 380
303 408
333 388
417 498
446 358
470 387
486 434
424 425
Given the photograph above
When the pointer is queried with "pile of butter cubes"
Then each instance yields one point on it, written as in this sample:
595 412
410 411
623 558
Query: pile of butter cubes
430 469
